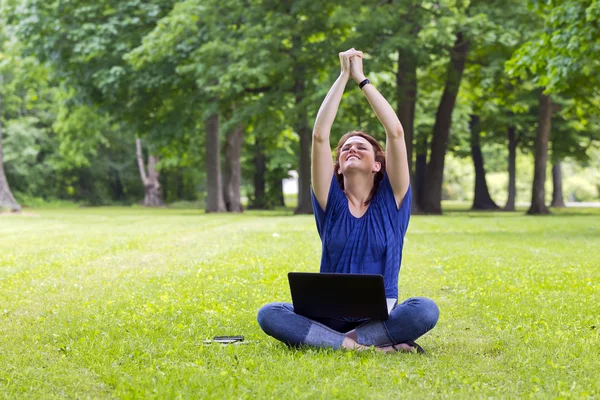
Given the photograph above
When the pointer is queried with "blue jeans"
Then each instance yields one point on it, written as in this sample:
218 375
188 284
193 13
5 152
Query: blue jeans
408 321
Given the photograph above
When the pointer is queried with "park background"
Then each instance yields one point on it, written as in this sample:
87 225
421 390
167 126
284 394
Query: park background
221 96
149 146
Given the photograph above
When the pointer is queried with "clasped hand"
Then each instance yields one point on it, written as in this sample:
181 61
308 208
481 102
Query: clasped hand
351 63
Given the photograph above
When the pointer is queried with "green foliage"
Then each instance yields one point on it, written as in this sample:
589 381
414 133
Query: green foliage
80 131
28 159
583 182
86 40
28 109
564 56
116 303
82 78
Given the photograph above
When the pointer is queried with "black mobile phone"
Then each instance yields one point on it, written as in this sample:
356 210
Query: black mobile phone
228 339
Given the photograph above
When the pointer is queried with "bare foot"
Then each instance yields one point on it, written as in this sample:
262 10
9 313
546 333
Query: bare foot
401 347
350 343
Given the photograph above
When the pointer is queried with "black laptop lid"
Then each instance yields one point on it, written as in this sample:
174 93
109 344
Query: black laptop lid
325 295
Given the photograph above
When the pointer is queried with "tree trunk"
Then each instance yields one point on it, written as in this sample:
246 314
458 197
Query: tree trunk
275 189
512 170
260 170
116 184
152 189
153 197
432 199
226 178
304 203
419 176
6 198
538 192
406 98
280 194
303 130
214 191
557 190
481 199
232 176
179 185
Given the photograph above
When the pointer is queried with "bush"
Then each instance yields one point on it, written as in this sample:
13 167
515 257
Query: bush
459 178
581 188
26 200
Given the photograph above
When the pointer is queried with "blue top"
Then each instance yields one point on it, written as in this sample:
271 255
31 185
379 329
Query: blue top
371 244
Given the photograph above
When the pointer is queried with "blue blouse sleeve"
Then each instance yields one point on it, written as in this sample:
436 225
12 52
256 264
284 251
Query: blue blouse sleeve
399 216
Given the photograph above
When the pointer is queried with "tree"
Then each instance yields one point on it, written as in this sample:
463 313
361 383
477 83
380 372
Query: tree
408 35
574 132
562 58
6 197
557 190
432 195
26 112
215 57
233 170
482 199
538 192
564 55
166 70
512 166
266 53
496 103
214 198
311 24
87 53
152 189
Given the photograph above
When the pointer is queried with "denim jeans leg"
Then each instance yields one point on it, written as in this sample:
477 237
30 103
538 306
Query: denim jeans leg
281 322
408 321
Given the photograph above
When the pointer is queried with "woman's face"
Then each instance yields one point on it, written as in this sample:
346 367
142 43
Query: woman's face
358 154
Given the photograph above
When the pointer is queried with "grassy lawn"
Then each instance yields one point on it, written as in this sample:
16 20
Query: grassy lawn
115 302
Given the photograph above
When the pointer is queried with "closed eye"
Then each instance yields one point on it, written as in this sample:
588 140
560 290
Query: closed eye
359 148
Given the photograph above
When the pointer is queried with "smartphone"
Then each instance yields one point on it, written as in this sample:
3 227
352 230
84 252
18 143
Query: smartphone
228 339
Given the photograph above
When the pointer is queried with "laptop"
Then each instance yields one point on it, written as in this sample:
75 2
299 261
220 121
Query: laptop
327 295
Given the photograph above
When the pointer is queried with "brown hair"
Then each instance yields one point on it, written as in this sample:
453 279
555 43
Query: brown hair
379 157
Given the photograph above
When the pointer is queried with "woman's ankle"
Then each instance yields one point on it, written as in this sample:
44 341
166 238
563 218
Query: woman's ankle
352 335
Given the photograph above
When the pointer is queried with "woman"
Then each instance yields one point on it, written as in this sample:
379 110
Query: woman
362 208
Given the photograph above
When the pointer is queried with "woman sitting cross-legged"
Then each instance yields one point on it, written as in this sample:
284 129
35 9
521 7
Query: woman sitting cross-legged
362 208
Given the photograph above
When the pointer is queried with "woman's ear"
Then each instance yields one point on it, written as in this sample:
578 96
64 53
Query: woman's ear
377 167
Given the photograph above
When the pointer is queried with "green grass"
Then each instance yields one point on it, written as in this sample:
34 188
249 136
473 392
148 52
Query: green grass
116 303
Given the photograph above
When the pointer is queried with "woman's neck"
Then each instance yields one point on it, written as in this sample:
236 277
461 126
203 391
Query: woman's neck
358 188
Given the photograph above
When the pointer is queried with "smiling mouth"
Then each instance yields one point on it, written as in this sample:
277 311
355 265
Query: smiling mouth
351 157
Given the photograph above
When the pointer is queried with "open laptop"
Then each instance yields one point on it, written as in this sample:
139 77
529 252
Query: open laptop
327 295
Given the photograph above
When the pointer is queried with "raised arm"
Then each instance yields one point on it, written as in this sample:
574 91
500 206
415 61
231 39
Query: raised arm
395 147
322 160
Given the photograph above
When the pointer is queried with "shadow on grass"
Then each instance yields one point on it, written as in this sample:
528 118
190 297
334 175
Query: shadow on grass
458 236
453 212
554 212
280 212
448 211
